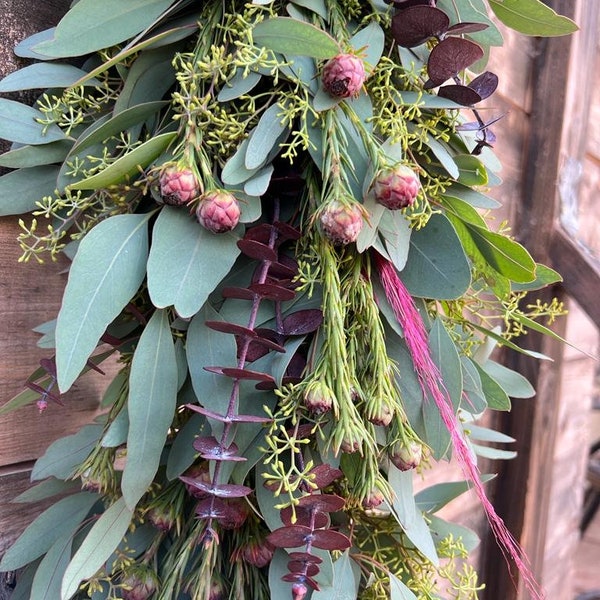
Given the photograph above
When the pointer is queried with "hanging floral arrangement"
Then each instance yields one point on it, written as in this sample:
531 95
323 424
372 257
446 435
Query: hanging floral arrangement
276 216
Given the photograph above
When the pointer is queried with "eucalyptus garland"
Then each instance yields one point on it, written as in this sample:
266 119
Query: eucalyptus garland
276 216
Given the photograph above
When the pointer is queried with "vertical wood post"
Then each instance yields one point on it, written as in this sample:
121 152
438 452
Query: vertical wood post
522 487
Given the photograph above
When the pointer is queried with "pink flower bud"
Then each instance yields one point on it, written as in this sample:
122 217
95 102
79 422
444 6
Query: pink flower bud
406 457
373 499
140 584
318 398
258 554
218 211
396 188
299 591
343 75
178 186
342 223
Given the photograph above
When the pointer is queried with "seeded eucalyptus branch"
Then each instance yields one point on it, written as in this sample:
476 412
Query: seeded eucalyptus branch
273 213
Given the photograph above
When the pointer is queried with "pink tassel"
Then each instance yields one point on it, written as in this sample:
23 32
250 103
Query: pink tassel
429 377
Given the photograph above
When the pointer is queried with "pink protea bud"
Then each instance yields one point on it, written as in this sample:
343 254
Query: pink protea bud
343 75
406 456
258 554
397 187
218 211
139 584
373 499
178 186
318 398
341 222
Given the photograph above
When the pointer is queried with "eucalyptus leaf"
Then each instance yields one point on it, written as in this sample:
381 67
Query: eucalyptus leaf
48 577
182 454
398 590
35 156
290 36
346 579
234 171
493 453
65 454
128 165
186 261
207 347
266 133
122 121
441 529
47 489
484 434
21 190
24 48
317 6
513 383
238 85
20 123
42 76
437 266
92 25
115 250
39 536
472 171
258 184
470 196
473 397
435 497
277 569
496 397
408 515
544 276
116 434
151 405
97 547
532 17
370 41
396 232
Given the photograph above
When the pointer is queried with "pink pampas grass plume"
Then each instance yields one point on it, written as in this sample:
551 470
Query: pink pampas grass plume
429 378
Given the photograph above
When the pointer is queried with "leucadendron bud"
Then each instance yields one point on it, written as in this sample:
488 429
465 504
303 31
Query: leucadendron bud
397 187
342 222
373 499
406 456
318 398
178 186
343 75
218 211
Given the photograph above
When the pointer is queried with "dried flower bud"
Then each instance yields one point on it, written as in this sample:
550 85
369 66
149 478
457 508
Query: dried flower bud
318 398
342 223
406 457
178 186
139 584
396 188
218 211
199 471
217 591
343 75
258 554
162 519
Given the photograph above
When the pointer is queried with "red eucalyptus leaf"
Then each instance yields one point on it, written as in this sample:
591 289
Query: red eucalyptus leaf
49 365
302 322
322 502
225 327
292 536
295 566
281 271
449 57
236 373
326 539
402 4
221 490
287 231
270 291
260 233
303 517
224 418
306 558
300 578
415 25
461 94
44 392
485 84
212 508
211 449
238 293
460 28
269 386
324 475
90 364
257 250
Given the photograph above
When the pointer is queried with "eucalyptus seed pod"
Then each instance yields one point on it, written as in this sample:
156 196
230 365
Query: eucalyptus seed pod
397 187
218 211
343 75
178 186
406 456
342 222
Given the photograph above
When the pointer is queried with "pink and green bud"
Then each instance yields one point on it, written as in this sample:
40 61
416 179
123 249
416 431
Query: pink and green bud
178 186
163 519
139 584
373 499
218 211
342 222
397 187
344 75
406 456
318 398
